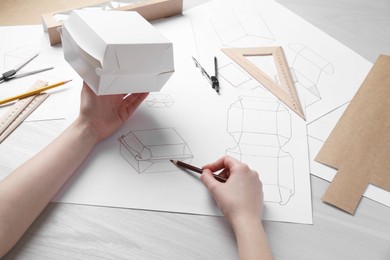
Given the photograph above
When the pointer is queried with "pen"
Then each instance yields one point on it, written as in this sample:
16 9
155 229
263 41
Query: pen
195 169
32 92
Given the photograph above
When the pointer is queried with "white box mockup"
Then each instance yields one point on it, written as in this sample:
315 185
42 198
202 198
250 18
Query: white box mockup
117 52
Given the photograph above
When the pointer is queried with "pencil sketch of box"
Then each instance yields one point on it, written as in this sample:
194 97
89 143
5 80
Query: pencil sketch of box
159 100
308 68
260 128
117 52
151 150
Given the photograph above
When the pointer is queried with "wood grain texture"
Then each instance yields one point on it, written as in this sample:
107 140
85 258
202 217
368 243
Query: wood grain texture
66 231
83 232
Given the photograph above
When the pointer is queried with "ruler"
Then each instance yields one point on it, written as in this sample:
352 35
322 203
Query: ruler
19 111
285 91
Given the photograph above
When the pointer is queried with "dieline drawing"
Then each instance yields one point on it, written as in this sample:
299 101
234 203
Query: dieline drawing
255 124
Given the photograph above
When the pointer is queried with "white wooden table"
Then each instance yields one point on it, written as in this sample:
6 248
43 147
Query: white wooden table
66 231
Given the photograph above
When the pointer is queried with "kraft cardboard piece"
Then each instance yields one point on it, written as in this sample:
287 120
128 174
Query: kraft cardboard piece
359 145
149 9
117 52
22 12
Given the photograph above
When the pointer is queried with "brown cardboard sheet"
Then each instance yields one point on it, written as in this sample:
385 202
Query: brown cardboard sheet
149 9
25 12
359 145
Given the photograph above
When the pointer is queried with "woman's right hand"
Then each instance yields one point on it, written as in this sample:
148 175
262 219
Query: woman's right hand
240 199
241 196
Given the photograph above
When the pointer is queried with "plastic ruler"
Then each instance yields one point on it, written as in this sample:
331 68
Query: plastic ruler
285 90
19 111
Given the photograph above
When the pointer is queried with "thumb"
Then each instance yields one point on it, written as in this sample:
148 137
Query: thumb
208 179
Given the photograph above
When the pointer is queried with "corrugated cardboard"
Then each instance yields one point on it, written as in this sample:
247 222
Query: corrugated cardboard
359 145
149 9
117 52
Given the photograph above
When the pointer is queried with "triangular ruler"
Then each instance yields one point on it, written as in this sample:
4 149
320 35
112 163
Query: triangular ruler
285 91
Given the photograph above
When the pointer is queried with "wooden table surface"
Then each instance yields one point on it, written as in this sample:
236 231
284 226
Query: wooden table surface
66 231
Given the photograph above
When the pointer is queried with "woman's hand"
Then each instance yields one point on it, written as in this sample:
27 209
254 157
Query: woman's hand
241 195
105 114
240 199
28 189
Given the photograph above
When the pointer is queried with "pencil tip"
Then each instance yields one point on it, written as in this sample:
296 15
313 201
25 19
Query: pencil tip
66 81
174 161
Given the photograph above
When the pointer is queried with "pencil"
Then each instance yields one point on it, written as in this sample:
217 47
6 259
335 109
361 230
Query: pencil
195 169
32 92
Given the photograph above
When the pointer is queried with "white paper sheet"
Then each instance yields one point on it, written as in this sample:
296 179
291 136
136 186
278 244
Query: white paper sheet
188 120
327 73
192 118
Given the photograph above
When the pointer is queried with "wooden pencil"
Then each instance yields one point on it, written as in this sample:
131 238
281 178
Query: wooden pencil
32 92
195 169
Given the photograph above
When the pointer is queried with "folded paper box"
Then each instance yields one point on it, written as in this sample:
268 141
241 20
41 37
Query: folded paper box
117 52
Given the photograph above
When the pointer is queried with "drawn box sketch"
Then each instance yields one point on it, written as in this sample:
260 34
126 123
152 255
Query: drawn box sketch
307 66
230 28
47 57
256 126
151 150
241 29
237 77
159 100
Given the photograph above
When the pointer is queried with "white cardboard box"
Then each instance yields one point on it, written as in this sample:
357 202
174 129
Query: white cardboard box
117 52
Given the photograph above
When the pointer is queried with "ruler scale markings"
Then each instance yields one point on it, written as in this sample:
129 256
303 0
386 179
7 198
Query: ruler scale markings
285 91
18 112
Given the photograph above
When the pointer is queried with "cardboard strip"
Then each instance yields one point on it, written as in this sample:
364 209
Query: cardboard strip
359 145
149 9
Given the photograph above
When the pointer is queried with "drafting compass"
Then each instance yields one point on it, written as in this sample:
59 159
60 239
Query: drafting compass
12 74
213 80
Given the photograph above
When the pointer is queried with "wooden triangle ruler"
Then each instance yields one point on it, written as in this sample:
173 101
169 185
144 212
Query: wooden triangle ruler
285 91
19 111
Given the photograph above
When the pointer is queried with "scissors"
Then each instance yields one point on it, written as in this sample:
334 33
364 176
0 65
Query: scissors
213 80
12 74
